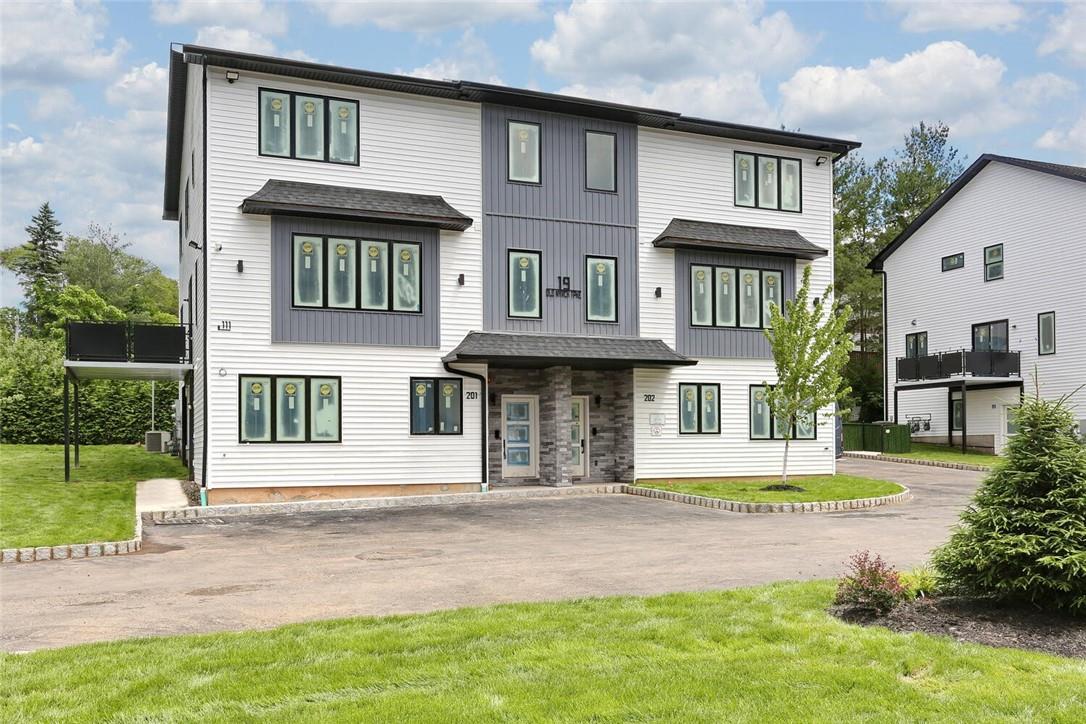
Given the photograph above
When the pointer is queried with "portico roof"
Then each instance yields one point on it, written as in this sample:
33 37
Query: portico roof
712 236
509 349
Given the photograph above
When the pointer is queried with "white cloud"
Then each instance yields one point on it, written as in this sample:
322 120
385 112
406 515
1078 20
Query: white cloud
1067 34
55 44
471 59
925 16
426 16
242 40
1072 139
255 15
53 101
660 41
141 87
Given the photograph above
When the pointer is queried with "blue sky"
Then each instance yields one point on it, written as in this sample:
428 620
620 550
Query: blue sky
83 83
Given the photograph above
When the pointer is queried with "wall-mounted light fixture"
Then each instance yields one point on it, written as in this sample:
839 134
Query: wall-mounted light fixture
599 399
913 322
194 245
659 292
460 280
821 160
218 246
231 76
241 266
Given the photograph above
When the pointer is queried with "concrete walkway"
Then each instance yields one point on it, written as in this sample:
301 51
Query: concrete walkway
260 572
160 494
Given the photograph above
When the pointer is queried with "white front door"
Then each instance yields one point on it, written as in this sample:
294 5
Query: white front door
520 436
1008 429
578 442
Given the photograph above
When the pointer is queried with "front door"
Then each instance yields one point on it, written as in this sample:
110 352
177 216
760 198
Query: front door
520 436
578 443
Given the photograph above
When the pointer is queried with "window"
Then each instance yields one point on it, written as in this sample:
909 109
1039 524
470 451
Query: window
524 152
954 261
436 407
956 411
308 127
730 297
1046 333
699 409
347 273
768 182
601 293
764 425
525 281
990 337
185 223
916 345
993 262
600 163
288 409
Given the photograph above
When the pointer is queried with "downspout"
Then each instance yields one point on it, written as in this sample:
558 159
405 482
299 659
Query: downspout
483 436
203 252
885 354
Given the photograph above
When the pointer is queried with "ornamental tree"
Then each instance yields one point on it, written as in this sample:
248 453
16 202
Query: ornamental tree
811 345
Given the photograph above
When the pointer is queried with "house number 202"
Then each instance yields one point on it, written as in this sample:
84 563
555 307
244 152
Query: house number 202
650 398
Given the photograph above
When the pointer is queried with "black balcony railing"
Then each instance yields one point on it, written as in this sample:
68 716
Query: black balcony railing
128 342
962 362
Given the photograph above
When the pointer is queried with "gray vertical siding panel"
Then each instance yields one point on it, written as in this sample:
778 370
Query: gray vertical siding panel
723 342
354 327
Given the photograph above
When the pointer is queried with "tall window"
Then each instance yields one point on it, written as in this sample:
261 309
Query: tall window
956 411
916 345
731 297
993 262
288 409
347 273
699 409
600 285
764 425
524 163
599 161
309 127
525 282
990 337
768 182
1046 333
436 406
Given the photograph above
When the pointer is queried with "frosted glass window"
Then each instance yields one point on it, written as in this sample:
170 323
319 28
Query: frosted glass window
524 152
308 288
309 127
710 408
699 409
274 123
790 200
524 284
375 275
448 408
956 414
1046 333
343 131
290 409
599 161
341 273
744 179
407 295
725 297
688 408
760 425
767 182
256 409
750 298
324 409
771 294
422 407
600 291
805 426
701 296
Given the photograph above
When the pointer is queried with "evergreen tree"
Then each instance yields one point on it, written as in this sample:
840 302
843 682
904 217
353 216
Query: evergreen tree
37 265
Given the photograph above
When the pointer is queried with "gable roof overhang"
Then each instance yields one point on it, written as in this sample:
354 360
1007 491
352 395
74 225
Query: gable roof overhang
175 130
1075 173
536 351
463 91
711 236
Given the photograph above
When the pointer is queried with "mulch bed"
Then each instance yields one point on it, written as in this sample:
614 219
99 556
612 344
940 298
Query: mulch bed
192 491
981 622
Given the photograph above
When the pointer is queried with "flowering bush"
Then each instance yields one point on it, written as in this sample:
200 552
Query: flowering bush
871 585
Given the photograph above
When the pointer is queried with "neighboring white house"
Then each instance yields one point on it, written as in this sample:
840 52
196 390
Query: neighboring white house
400 285
984 300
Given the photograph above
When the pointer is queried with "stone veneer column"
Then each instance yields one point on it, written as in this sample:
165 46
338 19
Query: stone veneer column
554 427
623 421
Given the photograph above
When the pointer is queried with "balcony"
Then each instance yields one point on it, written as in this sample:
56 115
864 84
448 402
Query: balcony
961 363
128 342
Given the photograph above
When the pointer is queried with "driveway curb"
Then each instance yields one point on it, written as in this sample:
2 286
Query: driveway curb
735 506
915 461
77 550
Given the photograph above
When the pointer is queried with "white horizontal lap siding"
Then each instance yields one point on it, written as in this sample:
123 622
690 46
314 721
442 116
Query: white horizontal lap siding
1041 221
408 144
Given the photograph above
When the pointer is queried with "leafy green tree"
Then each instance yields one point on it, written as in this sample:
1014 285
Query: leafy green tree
810 344
1024 537
37 263
74 303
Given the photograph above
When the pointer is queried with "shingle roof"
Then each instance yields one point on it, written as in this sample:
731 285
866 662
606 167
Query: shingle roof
687 234
296 198
507 349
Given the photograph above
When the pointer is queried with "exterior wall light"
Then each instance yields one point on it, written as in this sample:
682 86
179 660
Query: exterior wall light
821 160
460 280
659 292
231 76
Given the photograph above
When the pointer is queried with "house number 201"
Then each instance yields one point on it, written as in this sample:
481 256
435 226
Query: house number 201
471 395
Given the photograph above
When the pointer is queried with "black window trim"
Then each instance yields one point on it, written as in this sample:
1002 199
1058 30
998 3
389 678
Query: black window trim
946 268
509 160
916 335
275 405
358 241
988 263
1041 353
716 399
588 287
327 119
712 295
614 159
973 335
773 420
778 159
437 381
954 402
509 283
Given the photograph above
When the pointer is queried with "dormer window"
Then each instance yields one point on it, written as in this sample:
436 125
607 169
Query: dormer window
309 127
768 182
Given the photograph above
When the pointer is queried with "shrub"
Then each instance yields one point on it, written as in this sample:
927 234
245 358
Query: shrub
919 582
871 585
1024 537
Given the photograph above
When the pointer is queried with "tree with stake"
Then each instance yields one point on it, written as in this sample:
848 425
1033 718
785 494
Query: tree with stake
810 344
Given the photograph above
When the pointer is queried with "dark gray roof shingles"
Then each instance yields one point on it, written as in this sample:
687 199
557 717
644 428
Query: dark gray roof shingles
732 237
610 351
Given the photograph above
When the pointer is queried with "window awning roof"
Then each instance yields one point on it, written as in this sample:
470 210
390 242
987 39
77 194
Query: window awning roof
710 236
297 198
506 349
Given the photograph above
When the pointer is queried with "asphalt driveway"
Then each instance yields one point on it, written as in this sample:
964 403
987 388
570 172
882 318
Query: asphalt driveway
267 571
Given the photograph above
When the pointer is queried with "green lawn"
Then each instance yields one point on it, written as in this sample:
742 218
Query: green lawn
927 451
37 508
817 488
758 654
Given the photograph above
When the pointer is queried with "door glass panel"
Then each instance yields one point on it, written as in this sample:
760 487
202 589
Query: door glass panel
576 427
725 297
922 344
290 409
999 337
518 437
981 339
767 183
744 180
341 273
1012 426
407 296
750 304
307 271
688 408
375 275
701 296
256 409
309 127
